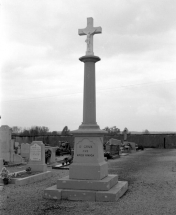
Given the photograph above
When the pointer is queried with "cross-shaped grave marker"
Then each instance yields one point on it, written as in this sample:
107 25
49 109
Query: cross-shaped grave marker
90 31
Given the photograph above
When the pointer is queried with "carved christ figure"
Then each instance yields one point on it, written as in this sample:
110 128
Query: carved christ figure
89 31
88 42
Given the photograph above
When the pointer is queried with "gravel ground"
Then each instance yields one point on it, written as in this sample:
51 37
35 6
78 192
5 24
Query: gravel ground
152 189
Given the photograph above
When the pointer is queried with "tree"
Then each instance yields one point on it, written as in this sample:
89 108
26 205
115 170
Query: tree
65 131
112 131
16 129
107 129
145 131
35 131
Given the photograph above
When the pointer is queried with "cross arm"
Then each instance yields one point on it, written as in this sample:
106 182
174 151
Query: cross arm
98 30
81 32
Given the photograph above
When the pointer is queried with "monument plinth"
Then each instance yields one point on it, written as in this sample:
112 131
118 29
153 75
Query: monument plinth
88 178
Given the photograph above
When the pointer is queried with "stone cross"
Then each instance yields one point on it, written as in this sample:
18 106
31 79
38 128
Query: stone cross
90 31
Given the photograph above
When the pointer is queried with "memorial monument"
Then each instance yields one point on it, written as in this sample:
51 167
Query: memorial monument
88 178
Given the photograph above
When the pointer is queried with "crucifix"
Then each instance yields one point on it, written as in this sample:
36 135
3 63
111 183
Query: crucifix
90 31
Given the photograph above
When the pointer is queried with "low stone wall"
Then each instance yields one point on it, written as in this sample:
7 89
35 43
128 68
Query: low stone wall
149 140
49 140
146 140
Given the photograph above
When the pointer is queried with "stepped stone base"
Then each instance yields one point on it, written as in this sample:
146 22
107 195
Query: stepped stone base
108 189
74 184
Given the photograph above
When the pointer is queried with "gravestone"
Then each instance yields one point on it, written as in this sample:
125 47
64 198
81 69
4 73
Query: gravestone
88 178
52 158
5 139
7 146
1 159
17 144
25 150
113 146
133 146
37 157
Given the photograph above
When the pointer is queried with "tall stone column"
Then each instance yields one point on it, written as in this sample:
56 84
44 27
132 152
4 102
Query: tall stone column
89 101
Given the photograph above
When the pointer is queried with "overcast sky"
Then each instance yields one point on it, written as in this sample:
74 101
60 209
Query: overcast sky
42 77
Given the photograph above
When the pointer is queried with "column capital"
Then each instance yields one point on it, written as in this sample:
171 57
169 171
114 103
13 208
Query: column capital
90 58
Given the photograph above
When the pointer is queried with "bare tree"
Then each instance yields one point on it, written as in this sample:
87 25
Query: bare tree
16 129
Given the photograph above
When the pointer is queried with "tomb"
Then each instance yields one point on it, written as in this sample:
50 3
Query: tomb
88 178
113 147
7 146
52 158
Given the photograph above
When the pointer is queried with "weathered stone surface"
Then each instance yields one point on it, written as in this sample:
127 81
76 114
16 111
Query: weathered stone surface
104 184
113 194
52 193
5 140
88 162
78 195
31 179
37 157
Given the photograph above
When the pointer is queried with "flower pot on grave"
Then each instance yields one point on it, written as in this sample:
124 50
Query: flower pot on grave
6 181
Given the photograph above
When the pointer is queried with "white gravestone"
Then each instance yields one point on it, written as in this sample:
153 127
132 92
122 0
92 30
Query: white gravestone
35 152
37 157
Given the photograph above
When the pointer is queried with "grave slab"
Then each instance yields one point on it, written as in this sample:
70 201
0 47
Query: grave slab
31 179
60 166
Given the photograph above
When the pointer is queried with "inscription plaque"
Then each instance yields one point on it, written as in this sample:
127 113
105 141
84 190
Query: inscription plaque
86 149
35 152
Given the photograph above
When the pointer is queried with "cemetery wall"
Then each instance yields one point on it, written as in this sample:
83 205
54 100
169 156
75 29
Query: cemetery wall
149 140
49 140
146 140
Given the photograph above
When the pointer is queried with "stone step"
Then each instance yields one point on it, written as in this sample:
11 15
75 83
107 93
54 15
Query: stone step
111 195
103 184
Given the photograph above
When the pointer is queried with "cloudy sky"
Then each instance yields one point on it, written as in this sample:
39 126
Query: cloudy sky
42 77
